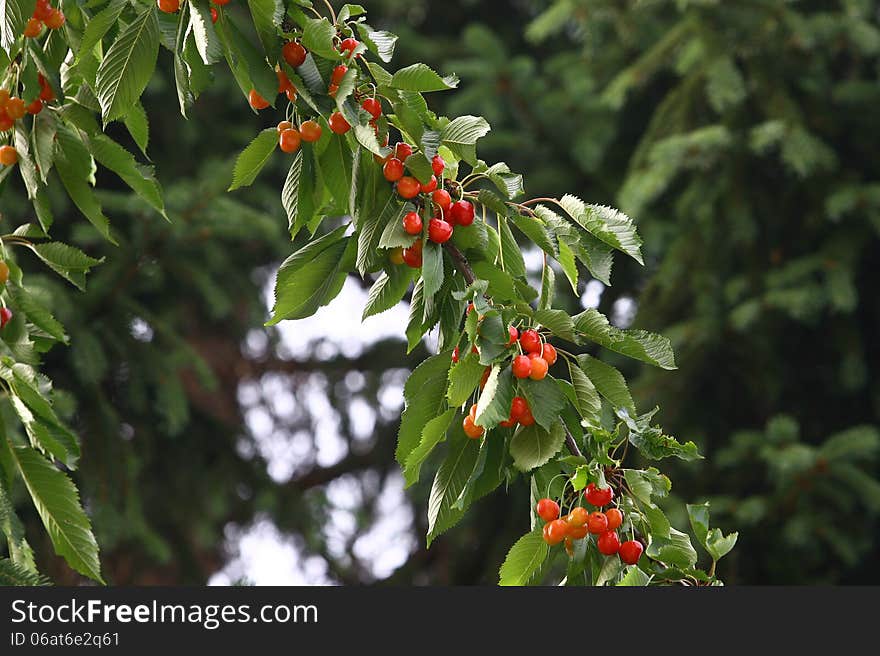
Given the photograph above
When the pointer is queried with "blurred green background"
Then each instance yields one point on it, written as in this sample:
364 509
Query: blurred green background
741 136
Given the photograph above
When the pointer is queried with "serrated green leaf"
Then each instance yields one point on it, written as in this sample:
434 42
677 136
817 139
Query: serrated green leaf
533 446
14 15
608 381
713 540
98 26
68 262
589 405
433 433
524 559
267 16
464 376
432 268
421 78
637 344
423 395
675 550
206 40
493 406
461 134
606 224
114 157
379 42
75 167
388 290
253 158
14 574
449 481
535 230
634 577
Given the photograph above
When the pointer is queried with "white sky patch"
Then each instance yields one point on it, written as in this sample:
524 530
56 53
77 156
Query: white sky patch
592 294
623 312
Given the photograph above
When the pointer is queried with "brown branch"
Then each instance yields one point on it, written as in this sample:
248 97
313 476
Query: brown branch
571 444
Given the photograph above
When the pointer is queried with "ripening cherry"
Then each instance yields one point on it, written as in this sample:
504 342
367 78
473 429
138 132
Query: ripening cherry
284 125
310 131
294 54
167 6
413 255
283 81
530 341
527 419
555 531
393 170
521 366
15 108
408 187
548 352
471 429
630 552
373 106
56 18
539 368
439 231
395 255
402 150
256 100
514 335
289 140
615 518
430 185
442 199
33 28
608 543
35 107
8 155
290 92
547 509
578 516
214 15
597 523
338 73
42 10
462 212
412 223
438 165
519 407
577 532
338 124
5 316
220 3
348 45
6 123
598 496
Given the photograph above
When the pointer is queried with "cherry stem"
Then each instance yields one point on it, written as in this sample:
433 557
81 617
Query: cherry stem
571 444
332 11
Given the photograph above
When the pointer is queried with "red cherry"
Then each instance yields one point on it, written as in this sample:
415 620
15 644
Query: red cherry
294 54
631 551
413 255
257 101
35 107
310 131
283 81
556 531
431 185
471 429
289 141
462 212
46 93
608 543
539 368
519 407
348 45
393 170
6 123
56 18
530 340
43 10
455 350
549 354
220 3
165 6
437 165
615 518
547 509
33 28
442 199
577 532
5 315
338 73
412 224
373 106
214 15
514 335
521 366
578 516
597 496
15 108
597 523
439 231
402 150
408 187
338 124
527 419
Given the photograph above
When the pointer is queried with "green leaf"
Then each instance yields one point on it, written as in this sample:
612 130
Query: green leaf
318 36
253 158
388 290
138 126
450 480
548 287
569 266
675 550
297 195
713 540
68 262
267 16
634 577
557 322
44 130
533 446
38 315
637 344
433 433
464 376
26 165
493 406
535 230
206 40
647 483
419 77
379 42
608 381
423 394
545 399
593 254
57 502
10 525
606 224
128 65
14 574
432 268
336 168
461 134
370 226
511 259
75 167
651 441
114 157
14 15
98 26
524 559
311 277
589 405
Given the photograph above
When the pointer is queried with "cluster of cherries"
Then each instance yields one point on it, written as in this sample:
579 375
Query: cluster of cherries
579 523
520 413
44 14
537 356
173 6
5 312
13 109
